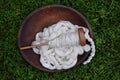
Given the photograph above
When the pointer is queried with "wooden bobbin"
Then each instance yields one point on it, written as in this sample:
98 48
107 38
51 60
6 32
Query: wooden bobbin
82 37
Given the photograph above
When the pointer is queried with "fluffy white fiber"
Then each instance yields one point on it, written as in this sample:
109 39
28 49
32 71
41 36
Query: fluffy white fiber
63 46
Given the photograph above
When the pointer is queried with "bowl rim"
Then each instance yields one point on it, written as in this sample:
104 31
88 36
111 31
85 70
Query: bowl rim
38 9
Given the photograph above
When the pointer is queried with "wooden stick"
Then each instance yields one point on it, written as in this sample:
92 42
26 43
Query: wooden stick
37 45
81 37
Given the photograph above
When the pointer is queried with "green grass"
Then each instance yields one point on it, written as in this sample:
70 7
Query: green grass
104 17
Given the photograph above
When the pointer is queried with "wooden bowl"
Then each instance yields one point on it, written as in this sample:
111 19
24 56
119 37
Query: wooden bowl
44 17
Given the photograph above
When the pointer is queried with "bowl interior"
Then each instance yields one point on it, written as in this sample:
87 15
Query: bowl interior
44 17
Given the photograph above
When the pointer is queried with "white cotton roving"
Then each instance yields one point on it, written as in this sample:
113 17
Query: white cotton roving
63 46
86 48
